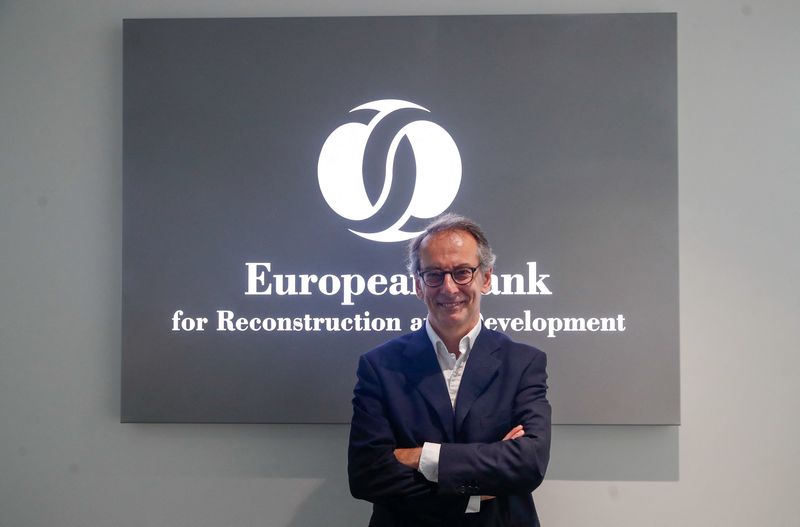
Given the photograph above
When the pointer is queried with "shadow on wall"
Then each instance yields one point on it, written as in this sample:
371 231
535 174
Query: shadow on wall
583 453
614 453
299 472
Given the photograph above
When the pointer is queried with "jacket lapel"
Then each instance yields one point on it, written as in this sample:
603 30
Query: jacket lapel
481 368
423 372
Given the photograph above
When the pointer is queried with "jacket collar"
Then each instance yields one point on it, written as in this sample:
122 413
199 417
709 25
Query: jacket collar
481 369
424 373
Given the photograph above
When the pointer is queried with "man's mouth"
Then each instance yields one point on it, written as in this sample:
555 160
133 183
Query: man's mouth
451 305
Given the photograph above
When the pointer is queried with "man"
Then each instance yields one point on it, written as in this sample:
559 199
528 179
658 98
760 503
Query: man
451 424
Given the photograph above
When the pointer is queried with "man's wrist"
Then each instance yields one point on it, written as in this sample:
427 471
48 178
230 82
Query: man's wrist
408 456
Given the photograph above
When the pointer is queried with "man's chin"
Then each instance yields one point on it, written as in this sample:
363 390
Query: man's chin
449 319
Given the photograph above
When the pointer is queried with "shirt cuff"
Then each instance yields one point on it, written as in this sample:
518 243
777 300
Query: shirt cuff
474 504
429 461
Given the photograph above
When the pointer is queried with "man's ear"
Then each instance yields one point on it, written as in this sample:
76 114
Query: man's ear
487 280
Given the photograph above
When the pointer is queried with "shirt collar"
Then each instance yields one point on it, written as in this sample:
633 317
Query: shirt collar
464 345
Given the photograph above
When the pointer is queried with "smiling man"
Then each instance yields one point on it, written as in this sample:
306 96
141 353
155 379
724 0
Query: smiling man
451 424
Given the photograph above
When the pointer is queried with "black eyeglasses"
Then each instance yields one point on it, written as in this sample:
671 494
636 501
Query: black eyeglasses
435 277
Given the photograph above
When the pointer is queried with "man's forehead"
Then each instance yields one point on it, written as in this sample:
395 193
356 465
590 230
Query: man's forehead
448 242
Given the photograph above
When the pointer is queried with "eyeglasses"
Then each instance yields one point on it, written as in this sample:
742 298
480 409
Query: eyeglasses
435 277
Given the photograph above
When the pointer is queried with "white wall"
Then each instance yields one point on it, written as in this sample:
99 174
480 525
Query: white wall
66 460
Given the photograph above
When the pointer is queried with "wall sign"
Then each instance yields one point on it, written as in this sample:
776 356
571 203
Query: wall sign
275 168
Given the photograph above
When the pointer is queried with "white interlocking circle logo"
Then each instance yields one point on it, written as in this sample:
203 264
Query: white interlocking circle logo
341 177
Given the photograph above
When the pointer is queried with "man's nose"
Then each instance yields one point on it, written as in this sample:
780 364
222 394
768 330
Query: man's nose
449 284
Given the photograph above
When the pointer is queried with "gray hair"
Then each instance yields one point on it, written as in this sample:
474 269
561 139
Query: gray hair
452 222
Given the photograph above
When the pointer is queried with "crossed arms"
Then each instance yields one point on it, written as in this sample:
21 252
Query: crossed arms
411 457
382 472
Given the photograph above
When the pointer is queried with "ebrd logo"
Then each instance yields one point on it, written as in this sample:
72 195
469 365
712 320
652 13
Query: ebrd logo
341 175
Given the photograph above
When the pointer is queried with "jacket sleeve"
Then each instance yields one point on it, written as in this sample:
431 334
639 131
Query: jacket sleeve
374 473
505 467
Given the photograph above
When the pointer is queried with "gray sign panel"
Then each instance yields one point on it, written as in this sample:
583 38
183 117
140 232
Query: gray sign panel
274 167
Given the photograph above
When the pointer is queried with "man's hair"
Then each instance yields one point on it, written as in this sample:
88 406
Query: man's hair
451 222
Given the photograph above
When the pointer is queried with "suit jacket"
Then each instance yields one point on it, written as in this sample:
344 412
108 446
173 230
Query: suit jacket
401 401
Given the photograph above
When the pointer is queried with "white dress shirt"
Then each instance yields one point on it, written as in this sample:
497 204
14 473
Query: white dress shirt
453 371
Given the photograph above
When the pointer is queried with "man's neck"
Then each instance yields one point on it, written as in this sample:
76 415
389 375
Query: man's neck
452 345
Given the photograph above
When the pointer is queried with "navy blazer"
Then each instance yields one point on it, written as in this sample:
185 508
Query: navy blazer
401 401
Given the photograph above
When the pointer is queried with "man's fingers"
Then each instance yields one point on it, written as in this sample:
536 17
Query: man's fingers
511 432
514 433
484 498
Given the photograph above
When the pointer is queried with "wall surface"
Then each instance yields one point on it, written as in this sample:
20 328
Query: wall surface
66 460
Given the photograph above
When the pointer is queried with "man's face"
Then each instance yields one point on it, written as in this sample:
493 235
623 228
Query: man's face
453 309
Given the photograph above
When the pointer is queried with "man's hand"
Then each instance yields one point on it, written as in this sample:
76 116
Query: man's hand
408 456
514 433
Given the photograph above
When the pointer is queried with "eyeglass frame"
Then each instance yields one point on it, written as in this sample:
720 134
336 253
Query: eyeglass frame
472 271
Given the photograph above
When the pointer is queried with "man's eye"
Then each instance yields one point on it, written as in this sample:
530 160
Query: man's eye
435 275
462 274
